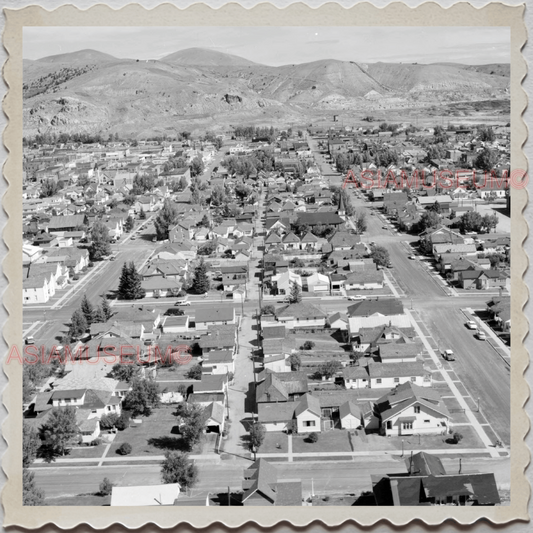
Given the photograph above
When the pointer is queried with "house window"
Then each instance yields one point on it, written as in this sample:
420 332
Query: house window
417 409
426 421
396 380
309 423
377 380
413 379
389 424
407 425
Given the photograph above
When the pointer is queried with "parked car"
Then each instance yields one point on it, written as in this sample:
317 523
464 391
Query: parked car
481 336
471 324
29 340
183 302
385 227
356 298
133 237
448 355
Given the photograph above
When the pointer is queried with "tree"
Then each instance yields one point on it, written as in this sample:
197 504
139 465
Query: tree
106 487
109 421
178 468
59 429
126 372
142 214
99 316
257 436
31 494
295 361
195 372
48 188
329 369
106 308
87 309
490 222
129 287
487 134
100 246
78 324
204 223
360 222
308 345
166 218
201 283
192 423
457 437
197 167
380 255
486 160
429 219
295 296
183 183
268 310
471 221
128 225
30 444
142 398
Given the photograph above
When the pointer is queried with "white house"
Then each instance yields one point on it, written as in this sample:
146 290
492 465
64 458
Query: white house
317 283
409 410
308 414
301 315
218 362
380 376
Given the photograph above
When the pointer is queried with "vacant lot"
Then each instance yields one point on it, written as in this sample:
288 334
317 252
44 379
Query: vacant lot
336 440
156 435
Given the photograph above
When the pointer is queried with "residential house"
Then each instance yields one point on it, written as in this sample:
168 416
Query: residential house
301 315
212 316
261 487
481 279
409 409
218 362
427 483
379 376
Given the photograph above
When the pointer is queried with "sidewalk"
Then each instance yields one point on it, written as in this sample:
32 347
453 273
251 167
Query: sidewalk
376 453
124 459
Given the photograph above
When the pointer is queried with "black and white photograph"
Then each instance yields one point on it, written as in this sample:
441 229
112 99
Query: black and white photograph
266 266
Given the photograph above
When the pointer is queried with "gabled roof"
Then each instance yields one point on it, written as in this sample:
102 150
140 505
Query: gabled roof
385 306
308 403
301 310
261 476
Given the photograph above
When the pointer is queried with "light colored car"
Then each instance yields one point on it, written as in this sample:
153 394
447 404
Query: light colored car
29 340
411 256
471 324
481 336
183 302
356 298
448 355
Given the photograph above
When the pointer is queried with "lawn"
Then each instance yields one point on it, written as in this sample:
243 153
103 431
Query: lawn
82 499
87 452
336 440
155 435
176 372
271 439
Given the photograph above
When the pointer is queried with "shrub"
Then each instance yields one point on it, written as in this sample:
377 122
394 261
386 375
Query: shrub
308 345
75 277
312 437
109 421
125 449
106 487
457 437
124 421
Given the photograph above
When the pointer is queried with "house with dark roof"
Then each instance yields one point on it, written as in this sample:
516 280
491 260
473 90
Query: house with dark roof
275 387
481 279
426 482
409 409
320 218
372 307
261 487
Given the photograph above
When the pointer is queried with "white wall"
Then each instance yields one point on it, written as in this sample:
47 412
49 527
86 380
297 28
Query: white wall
311 417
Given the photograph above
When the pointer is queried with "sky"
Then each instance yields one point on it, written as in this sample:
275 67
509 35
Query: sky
280 45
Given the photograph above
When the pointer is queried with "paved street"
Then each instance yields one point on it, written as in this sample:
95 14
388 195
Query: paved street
326 477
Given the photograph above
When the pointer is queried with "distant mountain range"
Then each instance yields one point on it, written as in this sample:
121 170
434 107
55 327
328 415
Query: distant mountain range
90 91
